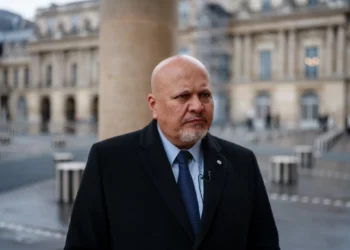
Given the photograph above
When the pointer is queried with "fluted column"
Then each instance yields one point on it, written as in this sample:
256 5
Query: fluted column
281 55
247 57
329 52
291 54
340 50
237 58
135 36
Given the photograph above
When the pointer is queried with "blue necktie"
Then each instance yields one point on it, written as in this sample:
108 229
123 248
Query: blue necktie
187 190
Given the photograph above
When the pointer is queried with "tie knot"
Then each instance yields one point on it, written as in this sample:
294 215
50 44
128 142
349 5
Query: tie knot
183 157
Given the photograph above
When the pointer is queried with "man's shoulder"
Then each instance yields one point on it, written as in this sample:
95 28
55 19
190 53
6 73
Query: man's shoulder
231 147
127 140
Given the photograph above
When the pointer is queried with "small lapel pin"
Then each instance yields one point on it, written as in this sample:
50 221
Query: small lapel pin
219 162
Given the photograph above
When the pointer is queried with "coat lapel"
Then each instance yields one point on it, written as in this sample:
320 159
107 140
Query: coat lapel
216 163
157 164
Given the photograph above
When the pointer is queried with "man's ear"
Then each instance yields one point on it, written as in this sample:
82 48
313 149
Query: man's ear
152 105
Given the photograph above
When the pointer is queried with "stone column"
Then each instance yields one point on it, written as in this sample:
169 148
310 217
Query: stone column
135 35
58 116
329 52
94 67
340 50
21 77
33 106
281 55
247 56
291 56
83 103
57 69
237 58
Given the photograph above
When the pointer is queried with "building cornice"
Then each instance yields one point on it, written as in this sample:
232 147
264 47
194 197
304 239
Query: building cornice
72 43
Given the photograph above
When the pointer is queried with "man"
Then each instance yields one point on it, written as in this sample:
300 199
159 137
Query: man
172 185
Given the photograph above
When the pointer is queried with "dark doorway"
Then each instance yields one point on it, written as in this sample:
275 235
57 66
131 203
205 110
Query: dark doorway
45 110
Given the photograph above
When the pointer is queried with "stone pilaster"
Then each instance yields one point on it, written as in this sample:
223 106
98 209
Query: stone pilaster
281 54
340 50
34 68
291 54
135 35
247 57
57 69
237 58
329 52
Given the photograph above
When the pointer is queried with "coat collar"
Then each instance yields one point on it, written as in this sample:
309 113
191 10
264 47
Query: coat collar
155 160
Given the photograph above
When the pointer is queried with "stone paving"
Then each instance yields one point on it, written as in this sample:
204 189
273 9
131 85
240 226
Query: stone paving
313 214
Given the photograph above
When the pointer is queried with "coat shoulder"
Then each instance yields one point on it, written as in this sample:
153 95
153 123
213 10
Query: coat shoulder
126 141
233 148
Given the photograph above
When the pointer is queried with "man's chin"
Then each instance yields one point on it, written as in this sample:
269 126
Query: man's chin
193 134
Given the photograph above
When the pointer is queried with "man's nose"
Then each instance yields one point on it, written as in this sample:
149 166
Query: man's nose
196 105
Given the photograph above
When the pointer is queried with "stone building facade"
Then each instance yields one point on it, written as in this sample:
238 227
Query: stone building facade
286 57
64 64
14 65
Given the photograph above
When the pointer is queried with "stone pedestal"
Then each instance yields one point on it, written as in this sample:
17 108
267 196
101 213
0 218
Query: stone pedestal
135 36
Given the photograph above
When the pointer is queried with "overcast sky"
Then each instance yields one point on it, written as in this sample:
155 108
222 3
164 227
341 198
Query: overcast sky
26 8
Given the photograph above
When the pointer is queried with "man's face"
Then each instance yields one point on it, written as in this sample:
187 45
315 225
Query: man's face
183 105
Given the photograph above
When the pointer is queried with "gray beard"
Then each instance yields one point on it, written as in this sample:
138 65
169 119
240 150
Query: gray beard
192 135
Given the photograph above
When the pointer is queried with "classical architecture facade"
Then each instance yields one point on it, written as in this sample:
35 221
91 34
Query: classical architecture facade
14 66
284 57
287 57
64 64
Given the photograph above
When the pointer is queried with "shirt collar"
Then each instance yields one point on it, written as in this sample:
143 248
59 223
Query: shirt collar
172 151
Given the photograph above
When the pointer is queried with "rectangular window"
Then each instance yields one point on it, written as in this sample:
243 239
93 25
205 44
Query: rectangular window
311 62
183 10
224 68
49 76
50 26
4 77
184 51
26 77
74 74
75 20
266 5
312 2
15 78
265 65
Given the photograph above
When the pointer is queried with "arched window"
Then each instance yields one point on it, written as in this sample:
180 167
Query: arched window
70 109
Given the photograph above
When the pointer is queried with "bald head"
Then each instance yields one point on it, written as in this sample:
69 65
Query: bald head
181 100
174 67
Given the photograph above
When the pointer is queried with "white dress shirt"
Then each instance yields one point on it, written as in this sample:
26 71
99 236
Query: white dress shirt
196 165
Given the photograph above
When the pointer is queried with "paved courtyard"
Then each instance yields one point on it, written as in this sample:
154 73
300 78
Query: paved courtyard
313 214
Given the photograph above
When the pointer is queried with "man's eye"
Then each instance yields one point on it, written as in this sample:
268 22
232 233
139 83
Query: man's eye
206 94
182 96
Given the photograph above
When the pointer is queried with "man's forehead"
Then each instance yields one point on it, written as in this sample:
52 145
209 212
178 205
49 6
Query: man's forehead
178 65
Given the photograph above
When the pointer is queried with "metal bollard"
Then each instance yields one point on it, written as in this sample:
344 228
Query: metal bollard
5 139
58 142
68 177
304 155
283 169
62 157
